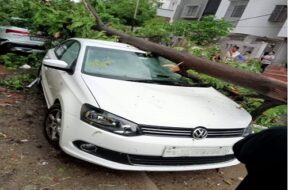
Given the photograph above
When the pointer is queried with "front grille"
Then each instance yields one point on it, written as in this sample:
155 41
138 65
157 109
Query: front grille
177 161
187 132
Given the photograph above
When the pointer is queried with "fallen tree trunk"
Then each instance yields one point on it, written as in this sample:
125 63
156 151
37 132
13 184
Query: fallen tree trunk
263 85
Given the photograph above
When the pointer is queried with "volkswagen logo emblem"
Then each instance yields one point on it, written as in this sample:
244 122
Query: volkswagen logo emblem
199 133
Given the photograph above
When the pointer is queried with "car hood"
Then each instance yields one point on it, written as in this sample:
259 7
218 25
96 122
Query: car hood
163 105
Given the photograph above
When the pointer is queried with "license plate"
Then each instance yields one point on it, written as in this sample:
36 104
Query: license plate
171 151
37 38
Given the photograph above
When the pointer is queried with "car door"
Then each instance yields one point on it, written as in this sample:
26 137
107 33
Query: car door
53 78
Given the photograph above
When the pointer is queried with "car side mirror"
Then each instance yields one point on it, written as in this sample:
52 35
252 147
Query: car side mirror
56 64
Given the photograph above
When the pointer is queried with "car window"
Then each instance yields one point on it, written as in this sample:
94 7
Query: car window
71 54
60 50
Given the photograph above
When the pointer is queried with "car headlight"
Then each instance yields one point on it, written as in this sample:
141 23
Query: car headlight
248 130
108 121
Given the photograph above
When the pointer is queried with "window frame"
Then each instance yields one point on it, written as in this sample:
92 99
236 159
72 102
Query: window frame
279 14
58 46
73 65
186 10
234 15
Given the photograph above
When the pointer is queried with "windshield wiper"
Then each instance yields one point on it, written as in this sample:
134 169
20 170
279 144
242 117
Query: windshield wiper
168 82
164 82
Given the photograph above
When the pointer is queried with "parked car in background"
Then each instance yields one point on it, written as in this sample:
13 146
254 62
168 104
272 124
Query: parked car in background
117 106
16 37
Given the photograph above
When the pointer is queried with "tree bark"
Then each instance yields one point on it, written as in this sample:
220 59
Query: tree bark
263 85
267 104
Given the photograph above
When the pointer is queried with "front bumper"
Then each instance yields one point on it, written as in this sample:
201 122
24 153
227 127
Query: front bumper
139 153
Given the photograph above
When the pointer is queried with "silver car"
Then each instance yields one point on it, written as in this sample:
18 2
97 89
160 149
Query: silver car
16 37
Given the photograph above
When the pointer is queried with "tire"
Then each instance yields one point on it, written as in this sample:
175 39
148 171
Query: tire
52 125
2 50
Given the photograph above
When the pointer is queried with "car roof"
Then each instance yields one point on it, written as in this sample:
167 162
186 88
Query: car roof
108 44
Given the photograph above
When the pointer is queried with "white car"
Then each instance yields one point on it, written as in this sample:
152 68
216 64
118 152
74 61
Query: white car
117 106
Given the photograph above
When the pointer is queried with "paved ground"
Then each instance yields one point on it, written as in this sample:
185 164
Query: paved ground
28 162
276 72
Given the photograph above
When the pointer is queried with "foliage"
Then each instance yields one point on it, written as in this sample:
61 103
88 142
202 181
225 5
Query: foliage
202 32
57 18
17 82
155 28
181 28
65 19
276 116
209 29
208 52
204 52
124 10
13 61
253 66
250 104
101 8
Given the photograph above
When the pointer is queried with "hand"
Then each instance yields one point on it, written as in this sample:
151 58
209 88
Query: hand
173 68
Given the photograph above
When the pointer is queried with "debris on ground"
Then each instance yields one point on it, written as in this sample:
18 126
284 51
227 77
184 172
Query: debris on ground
240 178
29 113
24 140
8 98
43 163
220 172
227 181
2 135
25 66
30 187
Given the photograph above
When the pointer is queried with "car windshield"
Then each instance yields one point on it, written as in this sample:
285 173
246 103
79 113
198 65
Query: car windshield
132 66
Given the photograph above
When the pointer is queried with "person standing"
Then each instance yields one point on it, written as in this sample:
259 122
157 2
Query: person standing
232 53
247 56
267 59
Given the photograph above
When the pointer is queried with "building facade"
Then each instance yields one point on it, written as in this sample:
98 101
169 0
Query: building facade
166 8
258 25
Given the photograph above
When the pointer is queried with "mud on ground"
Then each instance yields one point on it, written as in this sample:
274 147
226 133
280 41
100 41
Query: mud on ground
28 162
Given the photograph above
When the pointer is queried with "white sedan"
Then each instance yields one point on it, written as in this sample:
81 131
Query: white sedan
117 106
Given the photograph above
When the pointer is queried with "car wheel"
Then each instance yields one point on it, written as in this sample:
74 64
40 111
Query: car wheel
52 125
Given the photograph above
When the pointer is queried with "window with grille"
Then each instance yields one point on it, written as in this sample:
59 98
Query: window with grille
191 11
279 14
238 11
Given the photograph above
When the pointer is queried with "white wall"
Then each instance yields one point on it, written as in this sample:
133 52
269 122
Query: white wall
259 26
165 13
281 54
168 8
256 26
283 31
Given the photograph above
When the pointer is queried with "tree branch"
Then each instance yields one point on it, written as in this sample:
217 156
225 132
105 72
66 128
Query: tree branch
99 24
267 104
